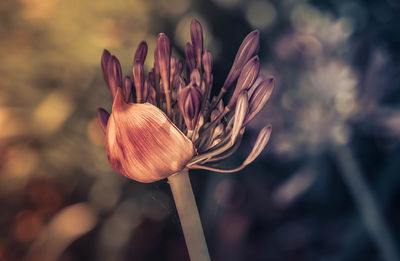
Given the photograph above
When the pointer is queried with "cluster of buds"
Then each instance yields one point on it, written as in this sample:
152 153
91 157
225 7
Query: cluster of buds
166 120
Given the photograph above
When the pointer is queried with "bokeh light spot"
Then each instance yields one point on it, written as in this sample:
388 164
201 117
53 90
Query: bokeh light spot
52 112
228 3
44 195
260 14
95 133
104 194
20 162
174 7
73 221
182 31
27 226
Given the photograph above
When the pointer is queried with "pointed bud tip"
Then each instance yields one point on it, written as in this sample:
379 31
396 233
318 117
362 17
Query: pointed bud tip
255 60
162 36
255 32
194 20
106 52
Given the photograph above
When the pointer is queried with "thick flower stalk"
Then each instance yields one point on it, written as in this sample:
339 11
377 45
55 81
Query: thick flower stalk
165 121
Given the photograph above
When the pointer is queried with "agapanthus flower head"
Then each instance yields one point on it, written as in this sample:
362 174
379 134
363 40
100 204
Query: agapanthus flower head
173 122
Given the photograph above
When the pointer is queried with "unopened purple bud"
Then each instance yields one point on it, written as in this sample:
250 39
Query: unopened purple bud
195 77
164 56
173 68
146 89
152 78
138 79
196 34
240 114
127 88
151 97
190 60
246 79
259 145
179 82
114 75
207 65
141 53
156 67
189 101
214 114
261 94
105 58
179 67
247 49
102 117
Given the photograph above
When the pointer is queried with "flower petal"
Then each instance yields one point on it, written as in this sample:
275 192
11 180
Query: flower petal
142 143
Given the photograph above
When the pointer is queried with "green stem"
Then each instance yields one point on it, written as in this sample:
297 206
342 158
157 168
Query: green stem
189 216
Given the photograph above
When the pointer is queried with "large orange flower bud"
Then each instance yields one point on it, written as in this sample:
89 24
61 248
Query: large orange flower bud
143 144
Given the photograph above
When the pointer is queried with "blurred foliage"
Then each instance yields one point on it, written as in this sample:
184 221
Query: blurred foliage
335 116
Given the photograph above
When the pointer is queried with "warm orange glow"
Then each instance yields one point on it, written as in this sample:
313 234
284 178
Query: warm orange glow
27 226
95 133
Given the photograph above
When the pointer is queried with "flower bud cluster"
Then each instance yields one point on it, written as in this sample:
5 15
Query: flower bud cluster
165 120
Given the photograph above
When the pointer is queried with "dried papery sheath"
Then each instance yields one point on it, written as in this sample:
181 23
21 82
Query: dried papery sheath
189 101
143 144
261 94
141 53
102 118
138 79
247 49
246 79
196 33
127 88
240 114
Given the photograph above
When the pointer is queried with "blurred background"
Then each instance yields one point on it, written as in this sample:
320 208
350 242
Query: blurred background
327 187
